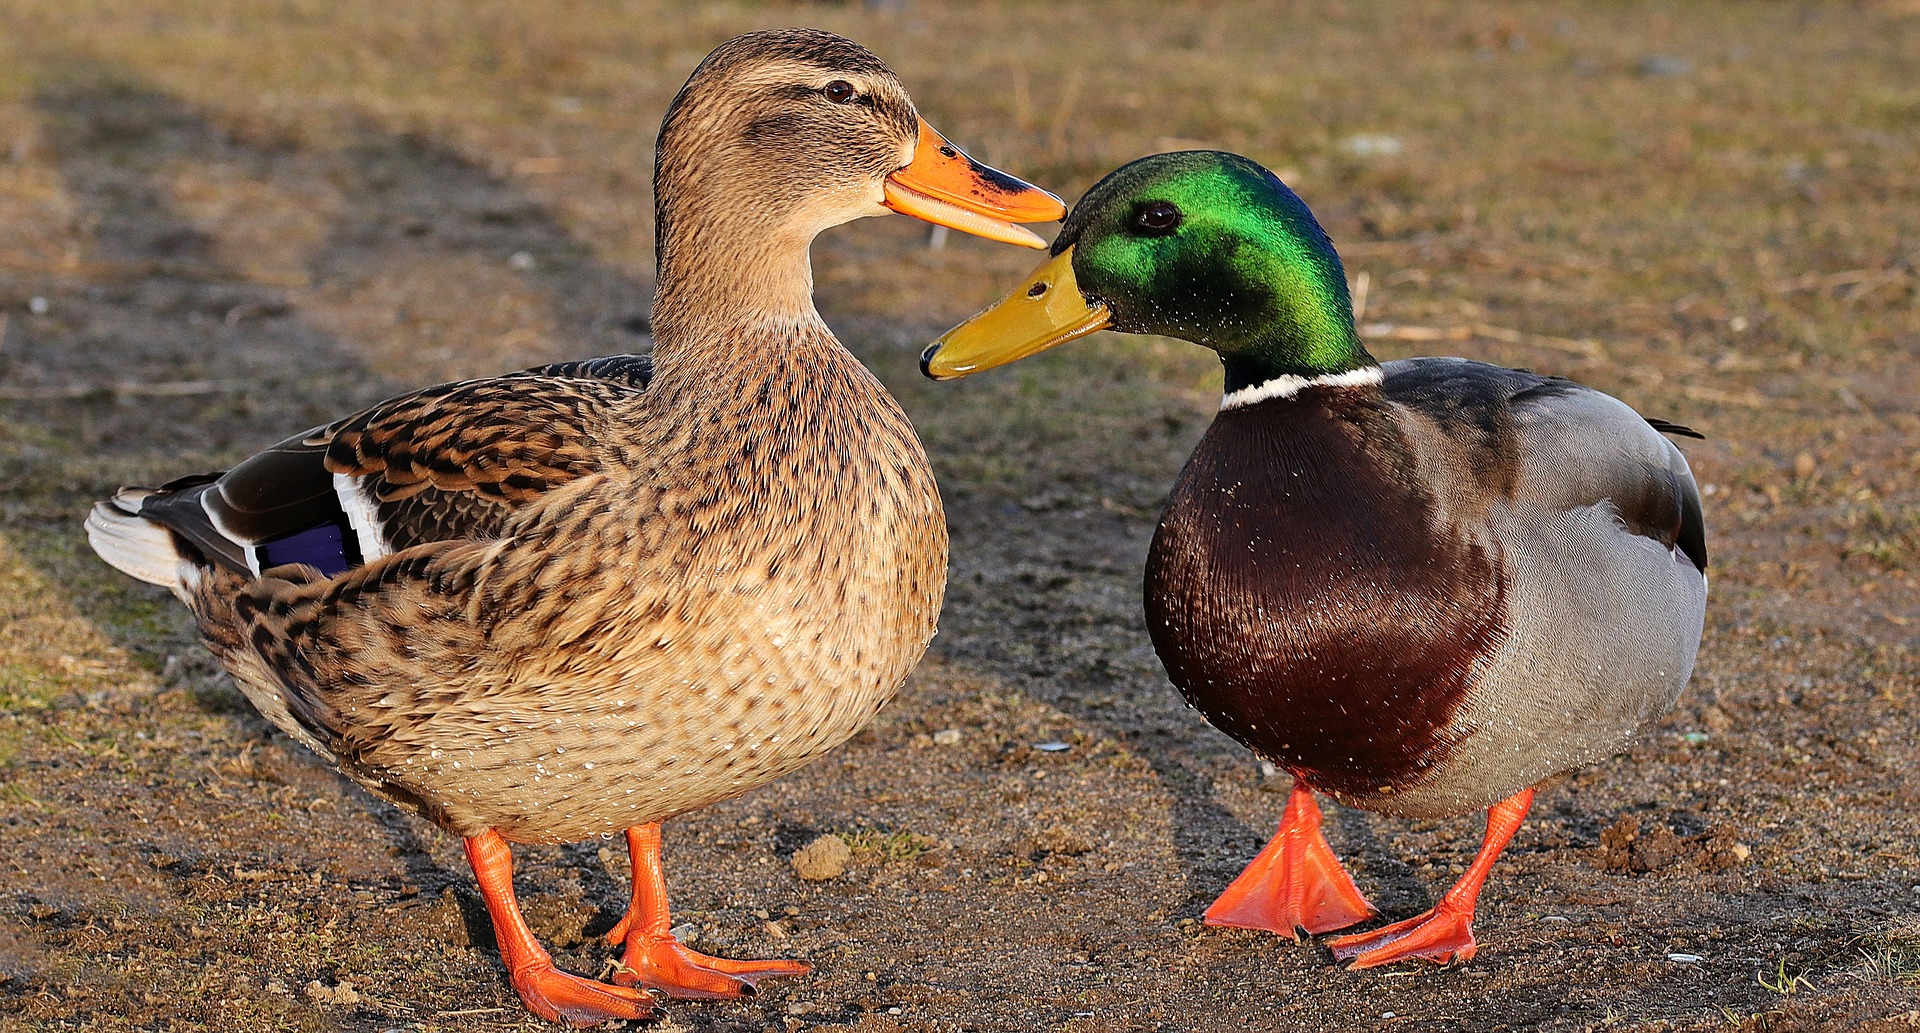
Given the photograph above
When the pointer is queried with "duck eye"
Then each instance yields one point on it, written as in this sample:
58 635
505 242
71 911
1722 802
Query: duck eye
838 91
1157 218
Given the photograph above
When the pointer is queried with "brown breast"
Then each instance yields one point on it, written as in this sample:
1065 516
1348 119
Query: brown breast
1303 600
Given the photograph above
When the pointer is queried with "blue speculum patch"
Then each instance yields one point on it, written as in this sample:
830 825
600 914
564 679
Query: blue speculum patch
329 547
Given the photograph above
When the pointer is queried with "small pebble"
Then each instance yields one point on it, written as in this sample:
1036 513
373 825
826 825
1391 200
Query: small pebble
37 305
685 932
1372 145
1663 64
947 737
1557 919
522 261
1055 746
1686 959
824 858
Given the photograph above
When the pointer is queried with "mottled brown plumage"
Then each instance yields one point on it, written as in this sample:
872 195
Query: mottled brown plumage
585 598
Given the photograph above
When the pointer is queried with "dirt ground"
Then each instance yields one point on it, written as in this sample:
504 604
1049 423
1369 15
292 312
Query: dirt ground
223 223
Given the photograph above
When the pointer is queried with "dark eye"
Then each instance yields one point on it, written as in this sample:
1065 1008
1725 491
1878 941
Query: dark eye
1157 218
839 91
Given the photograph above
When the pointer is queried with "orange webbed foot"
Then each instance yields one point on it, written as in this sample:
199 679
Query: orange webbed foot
665 964
1442 935
1294 883
562 997
655 959
1445 933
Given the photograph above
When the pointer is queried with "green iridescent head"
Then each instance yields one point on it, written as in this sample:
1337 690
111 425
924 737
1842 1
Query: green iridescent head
1201 245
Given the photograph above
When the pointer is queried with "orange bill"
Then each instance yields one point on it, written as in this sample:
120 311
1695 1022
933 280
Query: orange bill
945 187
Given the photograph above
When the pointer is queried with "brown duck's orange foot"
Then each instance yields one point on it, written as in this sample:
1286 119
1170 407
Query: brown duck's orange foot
663 963
1294 883
1442 935
560 997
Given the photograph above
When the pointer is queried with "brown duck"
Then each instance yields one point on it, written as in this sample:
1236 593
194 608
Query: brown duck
584 598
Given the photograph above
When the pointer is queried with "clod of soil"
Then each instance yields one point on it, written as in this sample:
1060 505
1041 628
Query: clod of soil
343 995
1059 839
557 920
824 858
1720 849
1629 848
451 918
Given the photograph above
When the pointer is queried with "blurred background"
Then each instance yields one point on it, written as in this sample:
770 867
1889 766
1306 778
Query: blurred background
222 222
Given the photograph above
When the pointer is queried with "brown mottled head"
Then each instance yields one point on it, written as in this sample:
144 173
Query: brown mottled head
783 133
800 125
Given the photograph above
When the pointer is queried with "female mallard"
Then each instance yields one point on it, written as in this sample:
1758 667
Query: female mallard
1423 588
588 597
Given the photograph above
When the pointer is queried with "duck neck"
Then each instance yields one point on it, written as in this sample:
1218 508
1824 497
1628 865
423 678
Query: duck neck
1283 358
727 274
1302 336
1300 330
730 242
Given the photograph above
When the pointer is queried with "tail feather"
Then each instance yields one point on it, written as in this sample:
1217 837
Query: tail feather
134 545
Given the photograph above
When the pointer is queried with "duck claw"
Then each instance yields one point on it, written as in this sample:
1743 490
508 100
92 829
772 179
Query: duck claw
664 964
578 1002
1441 935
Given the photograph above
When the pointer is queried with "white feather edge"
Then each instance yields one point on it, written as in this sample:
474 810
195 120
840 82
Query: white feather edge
139 548
362 516
1287 385
247 547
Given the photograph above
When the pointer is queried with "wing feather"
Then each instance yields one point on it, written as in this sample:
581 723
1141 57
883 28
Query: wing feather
446 463
1550 441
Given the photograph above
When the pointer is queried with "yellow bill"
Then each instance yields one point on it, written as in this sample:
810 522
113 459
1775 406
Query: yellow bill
1046 309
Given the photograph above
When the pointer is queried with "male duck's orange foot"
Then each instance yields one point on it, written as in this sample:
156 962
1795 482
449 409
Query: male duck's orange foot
664 964
1442 935
1294 883
560 997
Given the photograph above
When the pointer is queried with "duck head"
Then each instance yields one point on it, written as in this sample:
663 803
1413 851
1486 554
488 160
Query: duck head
781 134
1201 245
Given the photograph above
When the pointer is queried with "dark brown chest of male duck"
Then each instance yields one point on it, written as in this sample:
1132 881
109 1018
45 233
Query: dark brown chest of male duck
1305 601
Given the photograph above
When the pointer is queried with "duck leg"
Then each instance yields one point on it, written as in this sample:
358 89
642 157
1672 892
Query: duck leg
1295 882
654 958
1444 933
548 992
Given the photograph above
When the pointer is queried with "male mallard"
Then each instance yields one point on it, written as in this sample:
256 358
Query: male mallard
1423 588
588 597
